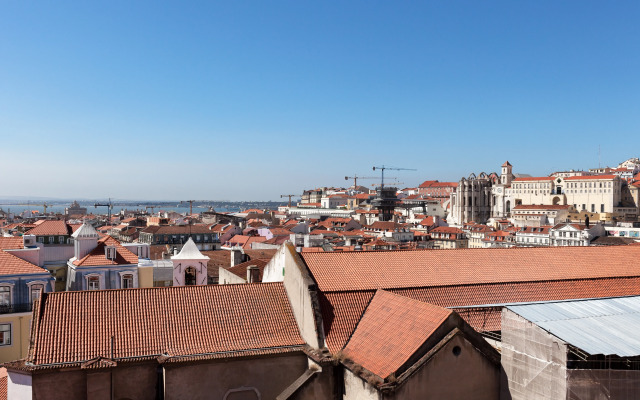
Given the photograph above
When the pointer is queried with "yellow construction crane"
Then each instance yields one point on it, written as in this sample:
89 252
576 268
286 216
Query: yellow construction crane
289 196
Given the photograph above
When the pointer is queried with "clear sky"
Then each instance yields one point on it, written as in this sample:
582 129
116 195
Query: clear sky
247 100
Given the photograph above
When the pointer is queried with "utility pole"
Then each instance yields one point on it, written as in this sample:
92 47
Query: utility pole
289 196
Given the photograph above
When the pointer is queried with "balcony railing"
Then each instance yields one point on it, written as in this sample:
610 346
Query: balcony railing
15 308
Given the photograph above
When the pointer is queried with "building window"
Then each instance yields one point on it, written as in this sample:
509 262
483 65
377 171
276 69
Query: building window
190 276
35 291
5 296
5 334
127 281
93 283
61 239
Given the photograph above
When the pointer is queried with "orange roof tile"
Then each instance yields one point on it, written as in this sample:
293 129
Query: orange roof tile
447 229
391 331
98 255
51 228
14 242
174 321
3 383
396 269
12 265
341 310
241 269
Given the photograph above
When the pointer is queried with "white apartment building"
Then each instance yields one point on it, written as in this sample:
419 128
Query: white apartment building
533 236
575 234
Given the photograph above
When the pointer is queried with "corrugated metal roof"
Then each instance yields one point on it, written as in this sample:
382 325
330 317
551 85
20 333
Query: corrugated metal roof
599 326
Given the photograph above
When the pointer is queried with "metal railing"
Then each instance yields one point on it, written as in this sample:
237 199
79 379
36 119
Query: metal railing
15 308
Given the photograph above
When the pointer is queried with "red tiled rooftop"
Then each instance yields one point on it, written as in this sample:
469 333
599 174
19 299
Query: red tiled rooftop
14 242
414 268
51 228
447 229
12 265
341 310
98 255
177 321
392 330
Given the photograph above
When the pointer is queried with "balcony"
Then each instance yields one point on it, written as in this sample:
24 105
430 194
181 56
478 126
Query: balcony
15 308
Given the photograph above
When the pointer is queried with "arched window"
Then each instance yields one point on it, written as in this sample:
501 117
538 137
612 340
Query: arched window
190 276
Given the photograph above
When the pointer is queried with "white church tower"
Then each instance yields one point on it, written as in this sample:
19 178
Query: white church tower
189 266
85 239
506 176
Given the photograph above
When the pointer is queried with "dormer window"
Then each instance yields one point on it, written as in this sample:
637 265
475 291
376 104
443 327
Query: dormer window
110 252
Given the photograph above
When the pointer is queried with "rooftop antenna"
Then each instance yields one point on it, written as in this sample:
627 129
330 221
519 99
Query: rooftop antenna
599 158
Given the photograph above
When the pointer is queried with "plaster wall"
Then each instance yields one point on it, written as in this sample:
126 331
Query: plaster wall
127 382
237 379
179 267
357 389
297 283
467 375
19 386
225 277
145 276
19 347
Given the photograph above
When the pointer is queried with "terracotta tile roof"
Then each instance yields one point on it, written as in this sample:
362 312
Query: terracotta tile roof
51 228
447 229
222 258
3 384
391 331
397 269
385 226
12 265
244 241
506 164
177 229
14 242
241 269
176 321
342 310
98 255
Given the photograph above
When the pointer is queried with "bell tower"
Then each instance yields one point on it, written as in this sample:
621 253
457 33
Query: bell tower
506 176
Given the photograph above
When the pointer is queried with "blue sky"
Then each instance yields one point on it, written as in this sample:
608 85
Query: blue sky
250 100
